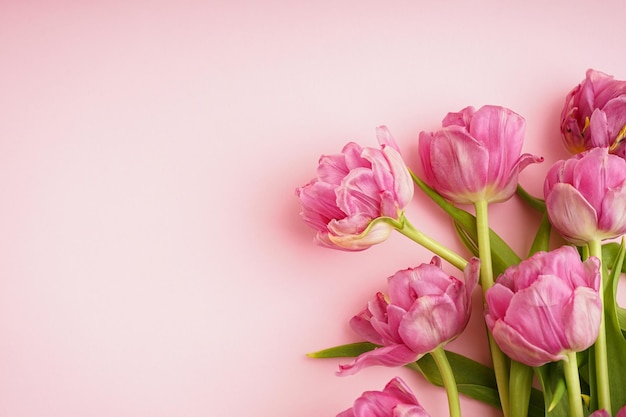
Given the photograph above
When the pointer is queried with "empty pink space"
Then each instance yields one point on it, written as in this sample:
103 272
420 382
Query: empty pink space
152 258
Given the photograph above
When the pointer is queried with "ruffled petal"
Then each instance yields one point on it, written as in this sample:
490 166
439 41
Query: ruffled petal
396 355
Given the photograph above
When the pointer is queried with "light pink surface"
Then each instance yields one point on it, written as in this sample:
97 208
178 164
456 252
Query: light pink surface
152 261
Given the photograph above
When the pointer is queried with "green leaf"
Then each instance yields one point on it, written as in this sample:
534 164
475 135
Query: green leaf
621 318
344 351
554 389
615 342
609 254
473 379
542 238
534 202
502 254
466 239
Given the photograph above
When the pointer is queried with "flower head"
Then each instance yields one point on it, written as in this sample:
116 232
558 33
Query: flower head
425 308
354 188
395 400
604 413
586 195
476 156
545 307
594 114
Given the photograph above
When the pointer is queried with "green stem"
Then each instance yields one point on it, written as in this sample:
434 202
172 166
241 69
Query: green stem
572 380
520 385
500 361
602 365
439 355
408 230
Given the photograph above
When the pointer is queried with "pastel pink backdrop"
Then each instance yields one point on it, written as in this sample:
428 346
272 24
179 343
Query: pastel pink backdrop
152 261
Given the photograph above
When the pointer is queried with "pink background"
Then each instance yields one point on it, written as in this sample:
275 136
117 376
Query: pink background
152 259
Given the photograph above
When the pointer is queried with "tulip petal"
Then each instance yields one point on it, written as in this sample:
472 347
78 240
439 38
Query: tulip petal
613 217
399 390
536 312
407 410
395 355
433 321
571 214
358 194
517 347
384 137
498 299
362 322
451 153
581 318
345 233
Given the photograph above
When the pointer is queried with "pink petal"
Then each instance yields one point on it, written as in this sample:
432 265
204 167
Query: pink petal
431 322
536 313
517 347
571 214
383 135
396 355
581 318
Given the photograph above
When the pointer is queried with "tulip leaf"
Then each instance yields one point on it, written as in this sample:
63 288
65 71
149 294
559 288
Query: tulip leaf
609 254
344 351
553 385
615 342
502 254
534 202
621 318
473 379
542 238
466 239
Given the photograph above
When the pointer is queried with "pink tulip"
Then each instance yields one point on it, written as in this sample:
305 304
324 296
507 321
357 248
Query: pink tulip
395 400
424 309
594 114
546 307
586 195
476 156
354 188
603 413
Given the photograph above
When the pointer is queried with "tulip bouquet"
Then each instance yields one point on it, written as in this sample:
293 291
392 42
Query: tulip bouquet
556 335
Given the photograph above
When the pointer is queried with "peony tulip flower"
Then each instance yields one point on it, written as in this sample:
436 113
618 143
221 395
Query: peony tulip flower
424 309
395 400
594 114
603 413
586 195
476 156
354 188
546 307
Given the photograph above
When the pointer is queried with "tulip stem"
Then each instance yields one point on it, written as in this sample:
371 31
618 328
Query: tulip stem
449 382
500 361
408 230
602 365
572 380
